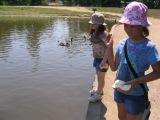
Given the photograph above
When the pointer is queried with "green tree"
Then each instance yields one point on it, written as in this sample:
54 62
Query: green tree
23 2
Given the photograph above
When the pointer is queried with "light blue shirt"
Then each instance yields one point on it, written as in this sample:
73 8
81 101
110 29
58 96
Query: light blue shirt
141 55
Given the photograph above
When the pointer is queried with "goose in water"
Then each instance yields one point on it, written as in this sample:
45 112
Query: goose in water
67 43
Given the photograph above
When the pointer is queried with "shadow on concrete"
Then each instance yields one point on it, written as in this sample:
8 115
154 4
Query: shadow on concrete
103 111
96 111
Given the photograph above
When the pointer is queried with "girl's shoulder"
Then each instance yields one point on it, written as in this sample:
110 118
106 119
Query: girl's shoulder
104 34
145 42
122 42
120 45
149 43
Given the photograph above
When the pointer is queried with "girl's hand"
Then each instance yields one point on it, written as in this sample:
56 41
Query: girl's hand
103 65
109 41
131 82
131 86
122 91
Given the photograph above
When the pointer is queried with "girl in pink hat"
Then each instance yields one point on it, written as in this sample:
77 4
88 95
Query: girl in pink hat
99 34
142 54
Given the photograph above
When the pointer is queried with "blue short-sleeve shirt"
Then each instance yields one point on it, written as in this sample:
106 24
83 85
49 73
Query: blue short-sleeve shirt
141 55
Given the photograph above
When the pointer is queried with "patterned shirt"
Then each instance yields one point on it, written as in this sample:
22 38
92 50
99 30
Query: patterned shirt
98 46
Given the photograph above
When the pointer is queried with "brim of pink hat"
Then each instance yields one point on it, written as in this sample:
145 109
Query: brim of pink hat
124 20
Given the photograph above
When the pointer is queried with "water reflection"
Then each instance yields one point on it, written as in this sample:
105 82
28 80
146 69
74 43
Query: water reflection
31 33
37 73
5 42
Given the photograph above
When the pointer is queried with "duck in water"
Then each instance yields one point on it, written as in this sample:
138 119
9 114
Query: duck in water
67 43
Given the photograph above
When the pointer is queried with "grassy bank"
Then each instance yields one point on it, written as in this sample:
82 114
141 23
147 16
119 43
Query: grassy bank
155 13
8 10
60 11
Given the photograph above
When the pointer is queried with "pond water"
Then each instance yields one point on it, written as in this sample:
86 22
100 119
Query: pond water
40 80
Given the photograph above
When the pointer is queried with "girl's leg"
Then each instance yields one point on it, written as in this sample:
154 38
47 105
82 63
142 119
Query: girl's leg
135 106
134 117
129 107
122 114
97 95
101 81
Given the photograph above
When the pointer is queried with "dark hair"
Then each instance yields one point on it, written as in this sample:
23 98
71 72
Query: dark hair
92 31
101 28
145 31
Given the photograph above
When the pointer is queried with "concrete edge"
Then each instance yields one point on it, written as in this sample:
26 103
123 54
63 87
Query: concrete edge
95 109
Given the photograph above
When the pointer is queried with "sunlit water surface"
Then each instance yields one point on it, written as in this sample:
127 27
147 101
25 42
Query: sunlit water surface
40 80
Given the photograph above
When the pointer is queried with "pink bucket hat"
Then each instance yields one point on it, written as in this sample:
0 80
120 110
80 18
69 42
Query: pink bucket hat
135 13
97 18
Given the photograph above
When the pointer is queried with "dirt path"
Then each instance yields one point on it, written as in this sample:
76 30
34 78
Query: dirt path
154 93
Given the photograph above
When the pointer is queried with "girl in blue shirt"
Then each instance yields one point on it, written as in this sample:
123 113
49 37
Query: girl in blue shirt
142 54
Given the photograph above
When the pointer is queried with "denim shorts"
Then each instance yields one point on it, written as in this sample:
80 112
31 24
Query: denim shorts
96 64
134 105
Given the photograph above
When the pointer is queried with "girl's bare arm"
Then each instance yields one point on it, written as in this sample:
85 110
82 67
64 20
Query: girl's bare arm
154 75
112 59
109 55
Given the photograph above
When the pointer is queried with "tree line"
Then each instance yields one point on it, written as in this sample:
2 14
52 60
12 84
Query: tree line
98 3
23 2
110 3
